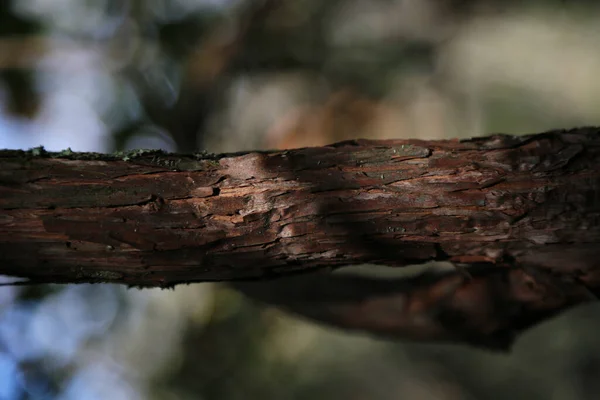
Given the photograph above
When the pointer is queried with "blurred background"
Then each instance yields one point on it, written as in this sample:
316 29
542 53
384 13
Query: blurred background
232 75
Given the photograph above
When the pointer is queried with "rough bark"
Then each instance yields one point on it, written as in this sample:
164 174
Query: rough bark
522 211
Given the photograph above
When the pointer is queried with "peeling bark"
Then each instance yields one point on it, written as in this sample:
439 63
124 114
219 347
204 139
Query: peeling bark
523 210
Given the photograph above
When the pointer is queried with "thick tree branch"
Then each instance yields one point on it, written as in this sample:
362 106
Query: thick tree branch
525 210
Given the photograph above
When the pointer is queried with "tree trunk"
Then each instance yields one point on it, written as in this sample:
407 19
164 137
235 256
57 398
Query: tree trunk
522 212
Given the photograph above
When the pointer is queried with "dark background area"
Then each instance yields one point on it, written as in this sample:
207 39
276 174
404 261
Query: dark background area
227 75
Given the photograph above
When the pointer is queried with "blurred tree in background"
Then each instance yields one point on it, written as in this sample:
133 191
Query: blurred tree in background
231 75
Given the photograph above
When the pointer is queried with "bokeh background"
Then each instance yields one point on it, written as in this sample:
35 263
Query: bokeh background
232 75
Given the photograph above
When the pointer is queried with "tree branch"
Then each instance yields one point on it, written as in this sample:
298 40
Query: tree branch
524 210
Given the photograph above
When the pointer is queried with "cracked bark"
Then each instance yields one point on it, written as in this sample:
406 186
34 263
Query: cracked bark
520 213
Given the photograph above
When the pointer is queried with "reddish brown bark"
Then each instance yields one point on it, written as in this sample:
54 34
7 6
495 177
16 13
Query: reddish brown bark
523 210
